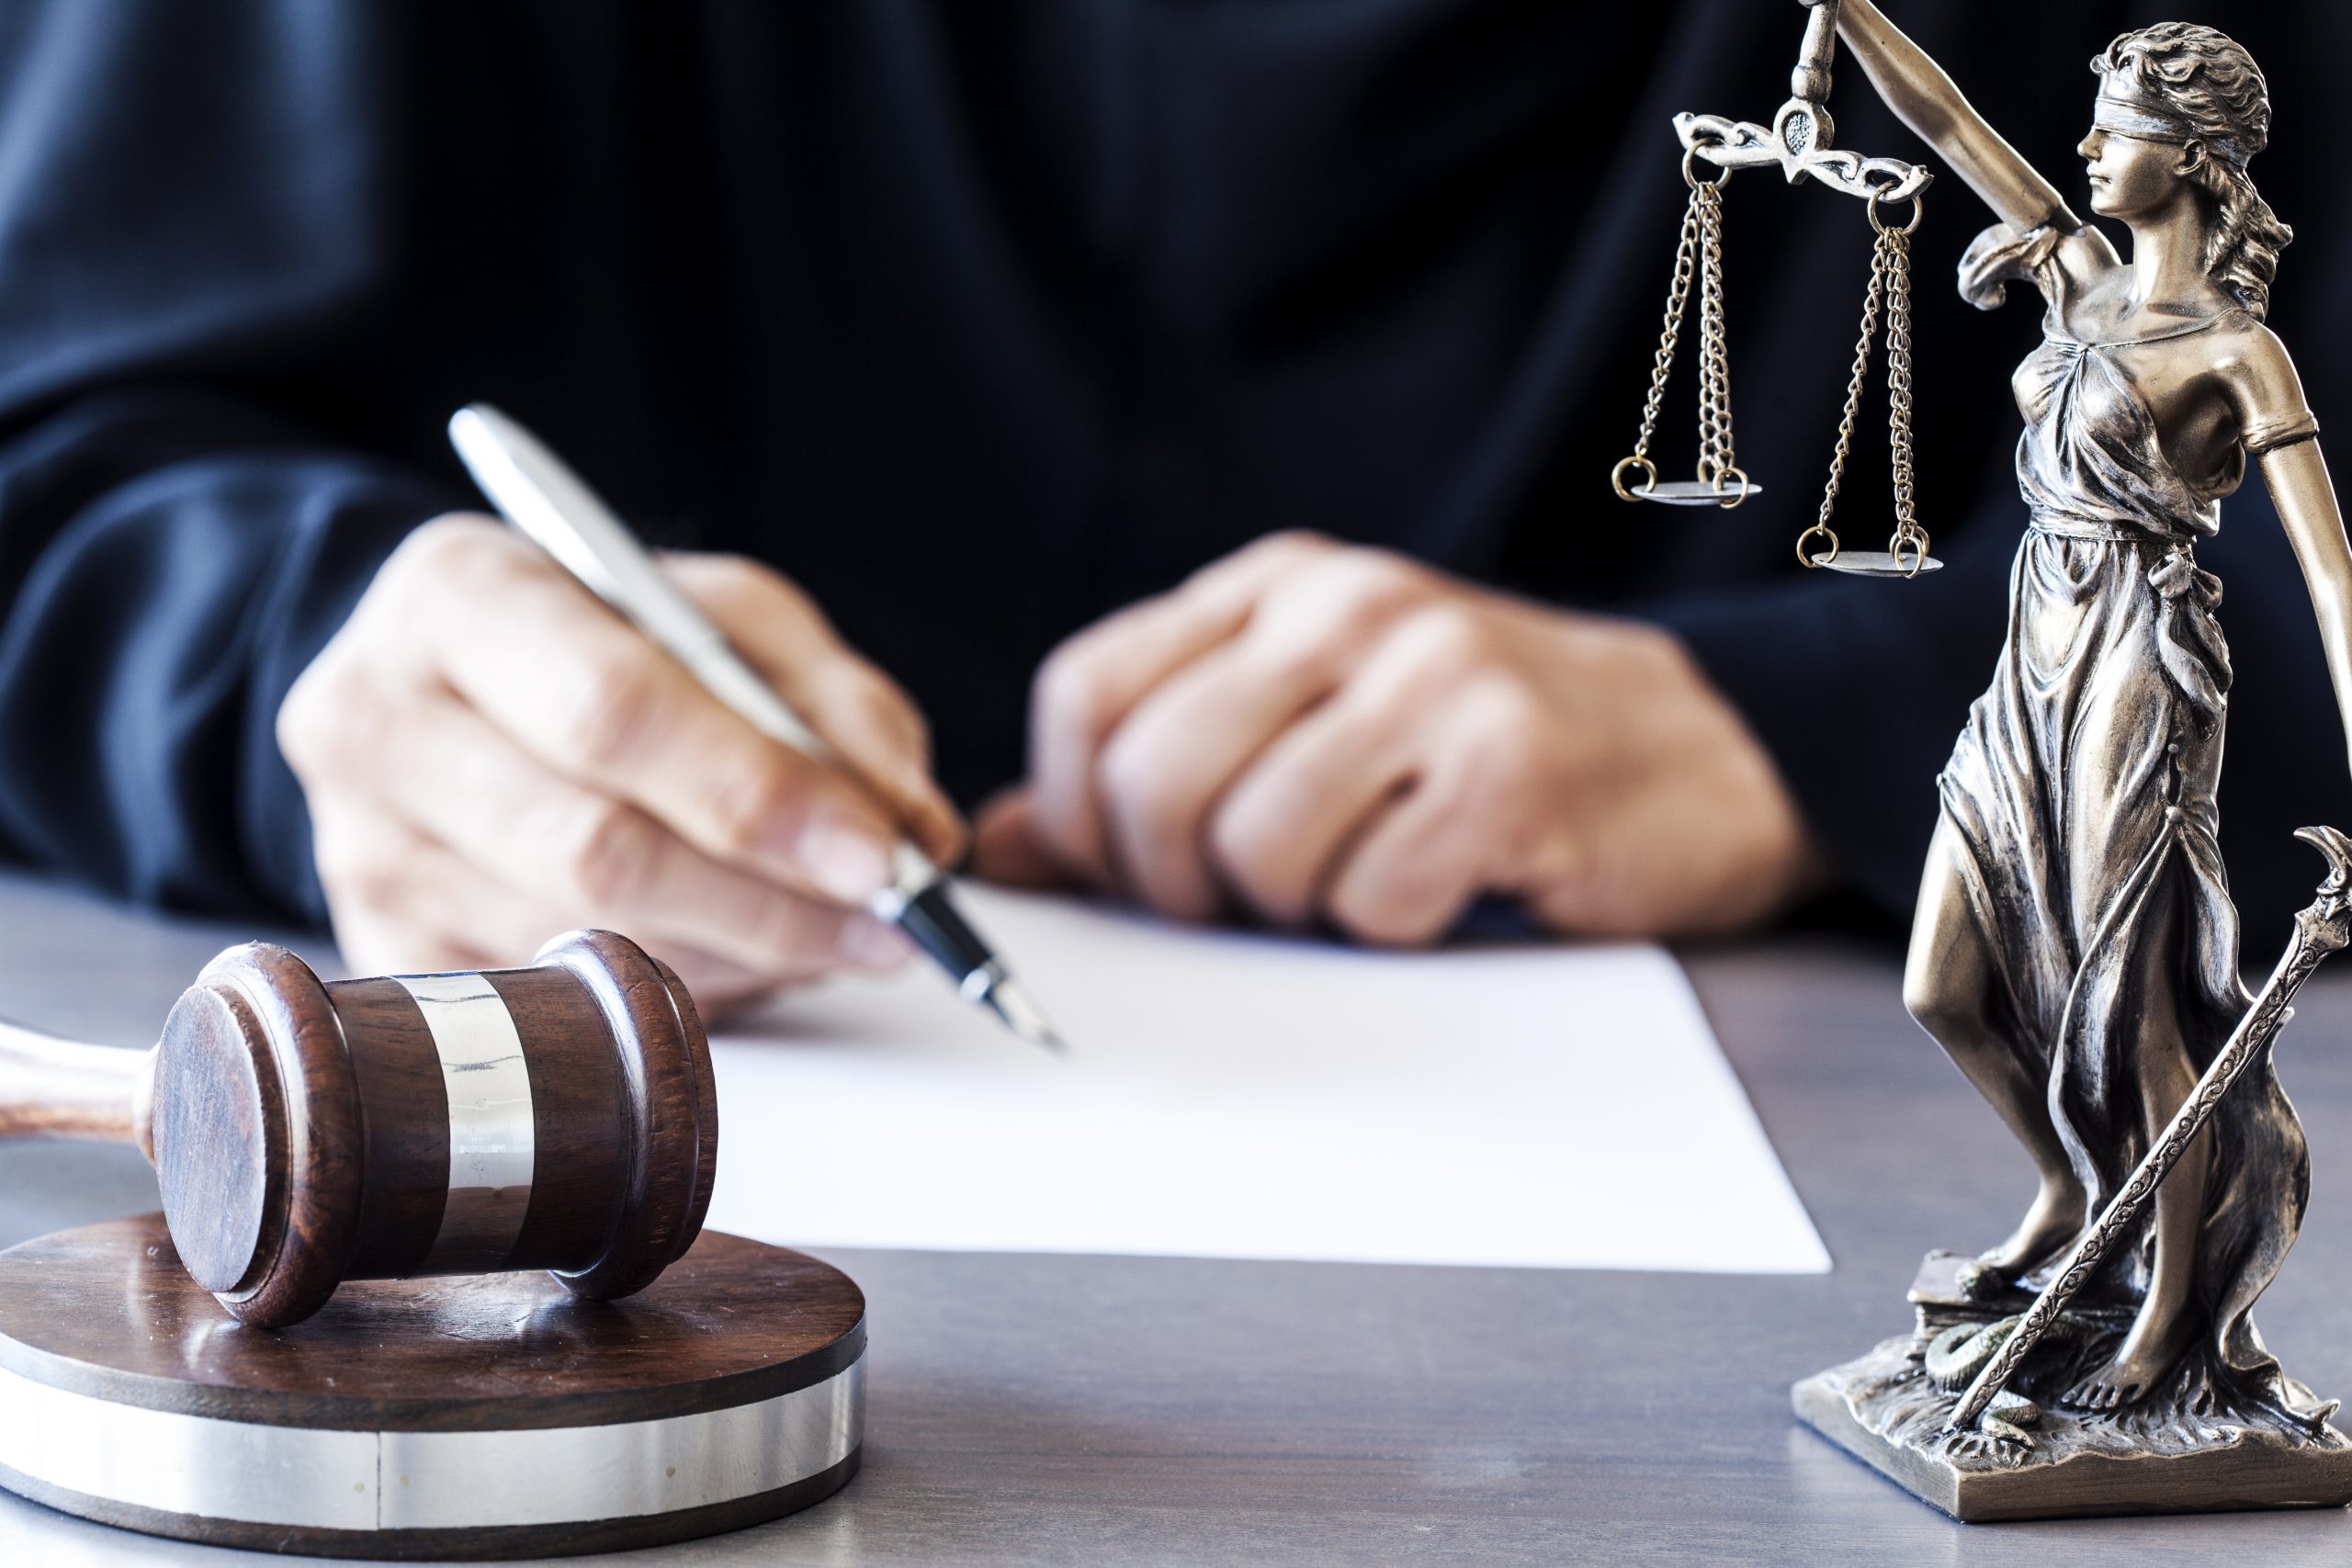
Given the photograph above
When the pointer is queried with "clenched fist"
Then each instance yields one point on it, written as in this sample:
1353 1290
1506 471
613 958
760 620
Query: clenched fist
491 756
1321 732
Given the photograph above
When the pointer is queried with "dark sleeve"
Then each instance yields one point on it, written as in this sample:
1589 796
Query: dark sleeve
191 204
1856 687
168 564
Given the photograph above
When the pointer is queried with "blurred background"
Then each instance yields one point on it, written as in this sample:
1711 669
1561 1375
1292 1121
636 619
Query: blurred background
981 321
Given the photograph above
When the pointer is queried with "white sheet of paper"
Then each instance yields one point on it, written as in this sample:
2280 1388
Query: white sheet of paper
1232 1095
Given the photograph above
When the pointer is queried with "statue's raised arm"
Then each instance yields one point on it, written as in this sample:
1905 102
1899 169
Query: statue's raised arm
1924 98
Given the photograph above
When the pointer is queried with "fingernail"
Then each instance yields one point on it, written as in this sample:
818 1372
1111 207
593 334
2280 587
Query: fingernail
846 862
873 944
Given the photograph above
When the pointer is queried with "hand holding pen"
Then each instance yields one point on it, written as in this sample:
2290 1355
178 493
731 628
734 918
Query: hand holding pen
490 756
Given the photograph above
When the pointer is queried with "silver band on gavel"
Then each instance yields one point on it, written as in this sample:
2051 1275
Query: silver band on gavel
493 1137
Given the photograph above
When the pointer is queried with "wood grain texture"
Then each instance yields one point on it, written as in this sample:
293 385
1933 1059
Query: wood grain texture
673 1101
1137 1413
107 1310
325 1152
691 1039
221 1135
404 1122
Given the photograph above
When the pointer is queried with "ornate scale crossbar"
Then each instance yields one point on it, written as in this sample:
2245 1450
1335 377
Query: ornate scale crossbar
1798 144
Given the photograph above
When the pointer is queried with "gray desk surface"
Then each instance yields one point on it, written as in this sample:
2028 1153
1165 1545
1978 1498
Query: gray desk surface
1105 1411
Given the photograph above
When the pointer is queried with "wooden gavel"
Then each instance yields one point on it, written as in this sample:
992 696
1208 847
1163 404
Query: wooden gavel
307 1131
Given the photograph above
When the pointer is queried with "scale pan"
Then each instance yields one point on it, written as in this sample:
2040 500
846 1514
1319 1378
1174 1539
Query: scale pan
1694 492
1878 563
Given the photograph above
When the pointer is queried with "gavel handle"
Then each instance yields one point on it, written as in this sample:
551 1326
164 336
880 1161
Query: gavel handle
62 1089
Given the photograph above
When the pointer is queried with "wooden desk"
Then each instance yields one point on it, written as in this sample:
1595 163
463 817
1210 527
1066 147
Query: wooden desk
1109 1411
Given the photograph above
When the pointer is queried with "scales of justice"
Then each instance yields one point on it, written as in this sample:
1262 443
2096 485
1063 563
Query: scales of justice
2075 950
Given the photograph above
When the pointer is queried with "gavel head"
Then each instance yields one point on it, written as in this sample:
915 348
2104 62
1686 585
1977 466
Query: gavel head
558 1117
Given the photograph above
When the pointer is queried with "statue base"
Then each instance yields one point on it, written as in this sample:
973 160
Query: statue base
2183 1451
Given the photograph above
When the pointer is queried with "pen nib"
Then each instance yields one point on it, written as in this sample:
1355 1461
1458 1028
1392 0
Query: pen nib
1022 1016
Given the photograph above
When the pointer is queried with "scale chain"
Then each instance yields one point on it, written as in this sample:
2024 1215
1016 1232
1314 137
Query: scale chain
1714 361
1712 409
1839 453
1908 535
1678 295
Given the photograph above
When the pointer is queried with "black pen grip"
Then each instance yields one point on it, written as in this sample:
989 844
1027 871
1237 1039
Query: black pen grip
938 930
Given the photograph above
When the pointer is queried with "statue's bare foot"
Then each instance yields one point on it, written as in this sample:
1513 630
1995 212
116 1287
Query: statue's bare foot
2052 1222
2147 1353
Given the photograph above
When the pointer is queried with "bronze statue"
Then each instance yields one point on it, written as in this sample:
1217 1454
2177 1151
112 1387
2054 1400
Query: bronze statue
2075 950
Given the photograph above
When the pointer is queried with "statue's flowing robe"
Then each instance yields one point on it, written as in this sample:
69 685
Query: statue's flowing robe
2082 790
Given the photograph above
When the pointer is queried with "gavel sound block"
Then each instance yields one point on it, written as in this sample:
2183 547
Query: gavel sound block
496 1416
305 1132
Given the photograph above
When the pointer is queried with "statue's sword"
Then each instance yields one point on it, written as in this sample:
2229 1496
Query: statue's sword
2322 929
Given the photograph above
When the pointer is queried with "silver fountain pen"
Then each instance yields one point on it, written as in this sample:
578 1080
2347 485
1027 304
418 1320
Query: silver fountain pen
534 491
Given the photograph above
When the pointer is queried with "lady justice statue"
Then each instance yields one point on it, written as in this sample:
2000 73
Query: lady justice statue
2075 950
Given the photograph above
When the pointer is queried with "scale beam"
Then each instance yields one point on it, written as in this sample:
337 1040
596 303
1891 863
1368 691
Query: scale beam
1743 144
1798 139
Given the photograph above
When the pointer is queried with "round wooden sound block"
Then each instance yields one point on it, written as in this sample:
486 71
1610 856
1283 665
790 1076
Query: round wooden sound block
498 1416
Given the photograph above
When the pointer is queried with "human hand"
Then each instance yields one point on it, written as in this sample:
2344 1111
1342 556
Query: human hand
1318 731
492 757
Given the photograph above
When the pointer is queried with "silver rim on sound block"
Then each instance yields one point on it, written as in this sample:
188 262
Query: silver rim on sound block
109 1457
